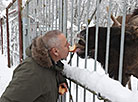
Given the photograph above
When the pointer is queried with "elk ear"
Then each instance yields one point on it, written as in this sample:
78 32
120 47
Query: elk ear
55 51
116 22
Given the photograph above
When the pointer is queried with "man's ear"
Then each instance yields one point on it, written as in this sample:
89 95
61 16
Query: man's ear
55 51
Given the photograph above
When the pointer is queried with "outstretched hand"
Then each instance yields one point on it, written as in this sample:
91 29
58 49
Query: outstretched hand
62 88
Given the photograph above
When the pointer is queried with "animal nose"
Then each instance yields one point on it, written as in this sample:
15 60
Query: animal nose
78 35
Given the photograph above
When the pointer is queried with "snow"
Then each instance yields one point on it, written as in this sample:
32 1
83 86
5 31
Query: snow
108 87
5 73
100 82
6 2
3 13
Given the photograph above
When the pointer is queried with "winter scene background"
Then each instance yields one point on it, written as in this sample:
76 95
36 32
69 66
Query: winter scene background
97 81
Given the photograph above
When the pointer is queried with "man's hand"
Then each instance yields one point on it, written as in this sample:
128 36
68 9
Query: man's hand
62 88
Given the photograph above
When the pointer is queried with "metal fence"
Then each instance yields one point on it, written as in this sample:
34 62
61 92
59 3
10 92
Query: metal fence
24 22
11 33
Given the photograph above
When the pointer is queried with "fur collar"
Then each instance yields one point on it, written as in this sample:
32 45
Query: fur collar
40 53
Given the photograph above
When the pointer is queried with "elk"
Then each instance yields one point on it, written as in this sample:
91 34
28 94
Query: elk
130 62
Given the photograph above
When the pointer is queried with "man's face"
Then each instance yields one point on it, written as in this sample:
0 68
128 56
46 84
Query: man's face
64 47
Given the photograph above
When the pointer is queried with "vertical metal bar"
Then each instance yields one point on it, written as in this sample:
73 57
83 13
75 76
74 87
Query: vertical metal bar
87 30
20 30
28 25
52 13
37 2
61 15
65 17
122 42
35 15
71 21
24 33
96 40
46 14
8 48
71 37
1 34
86 44
79 5
43 7
28 30
76 92
56 13
137 85
38 14
25 29
64 98
108 39
69 89
49 15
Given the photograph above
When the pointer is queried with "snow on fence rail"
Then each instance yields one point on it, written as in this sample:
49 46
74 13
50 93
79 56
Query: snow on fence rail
95 82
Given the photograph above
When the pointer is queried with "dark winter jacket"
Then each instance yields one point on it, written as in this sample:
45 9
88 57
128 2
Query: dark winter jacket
36 79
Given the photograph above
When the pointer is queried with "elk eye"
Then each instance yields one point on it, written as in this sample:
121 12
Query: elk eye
81 42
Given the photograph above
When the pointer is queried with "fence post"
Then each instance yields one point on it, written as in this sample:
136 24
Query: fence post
20 30
1 34
122 43
8 48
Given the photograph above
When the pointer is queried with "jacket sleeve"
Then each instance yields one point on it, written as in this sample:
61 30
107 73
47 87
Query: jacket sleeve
24 87
61 79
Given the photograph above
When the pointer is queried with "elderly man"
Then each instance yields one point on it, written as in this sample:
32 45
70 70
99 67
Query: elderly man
38 77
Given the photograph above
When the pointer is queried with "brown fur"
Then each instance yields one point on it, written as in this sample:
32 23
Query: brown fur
131 19
130 62
40 53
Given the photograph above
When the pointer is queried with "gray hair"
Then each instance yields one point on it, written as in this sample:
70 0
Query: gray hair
51 39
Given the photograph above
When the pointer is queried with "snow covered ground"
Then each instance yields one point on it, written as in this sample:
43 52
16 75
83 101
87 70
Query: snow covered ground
88 78
5 73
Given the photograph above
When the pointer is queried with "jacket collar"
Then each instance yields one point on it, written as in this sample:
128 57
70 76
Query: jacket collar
40 53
